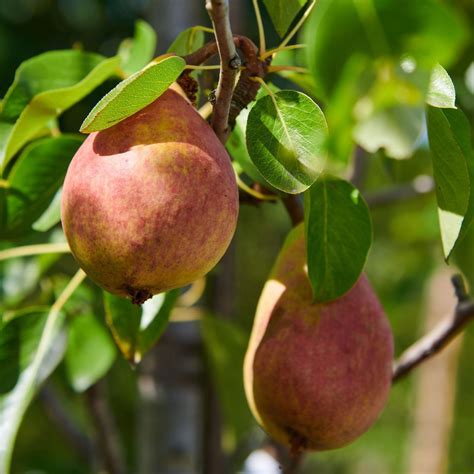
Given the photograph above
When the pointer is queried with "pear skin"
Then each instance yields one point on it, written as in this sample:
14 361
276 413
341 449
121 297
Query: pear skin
317 375
151 203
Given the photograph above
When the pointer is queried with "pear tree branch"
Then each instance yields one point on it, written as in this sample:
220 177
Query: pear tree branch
230 65
107 433
440 336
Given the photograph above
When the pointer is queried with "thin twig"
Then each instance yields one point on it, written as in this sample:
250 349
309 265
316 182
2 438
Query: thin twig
261 32
360 166
107 433
440 336
37 249
294 207
420 186
230 64
295 461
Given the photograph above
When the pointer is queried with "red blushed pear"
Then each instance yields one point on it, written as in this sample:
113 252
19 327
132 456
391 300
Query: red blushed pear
151 203
316 376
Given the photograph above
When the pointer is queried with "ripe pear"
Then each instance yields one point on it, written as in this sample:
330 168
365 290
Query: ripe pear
317 375
151 203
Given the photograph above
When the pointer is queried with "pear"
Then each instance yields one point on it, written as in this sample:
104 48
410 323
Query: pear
151 203
317 375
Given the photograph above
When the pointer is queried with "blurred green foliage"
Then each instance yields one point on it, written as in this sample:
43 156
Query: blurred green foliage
406 249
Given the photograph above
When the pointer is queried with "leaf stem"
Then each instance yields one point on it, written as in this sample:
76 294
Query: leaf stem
301 70
298 25
203 68
261 32
263 197
279 49
206 29
29 250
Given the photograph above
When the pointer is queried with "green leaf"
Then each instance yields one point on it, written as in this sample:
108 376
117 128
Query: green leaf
44 87
134 93
285 138
453 171
283 12
338 236
44 73
51 216
5 133
425 30
34 180
90 352
463 255
136 53
441 92
237 148
225 345
136 329
30 346
187 41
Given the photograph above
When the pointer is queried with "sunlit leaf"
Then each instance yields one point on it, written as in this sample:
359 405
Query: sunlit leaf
237 147
338 236
453 171
44 87
187 41
285 139
38 352
441 92
134 93
136 329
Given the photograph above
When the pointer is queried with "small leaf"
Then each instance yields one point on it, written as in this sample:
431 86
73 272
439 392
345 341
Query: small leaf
57 81
441 92
187 41
34 180
283 12
34 361
285 138
90 352
338 236
134 93
155 316
453 171
136 329
237 148
136 53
